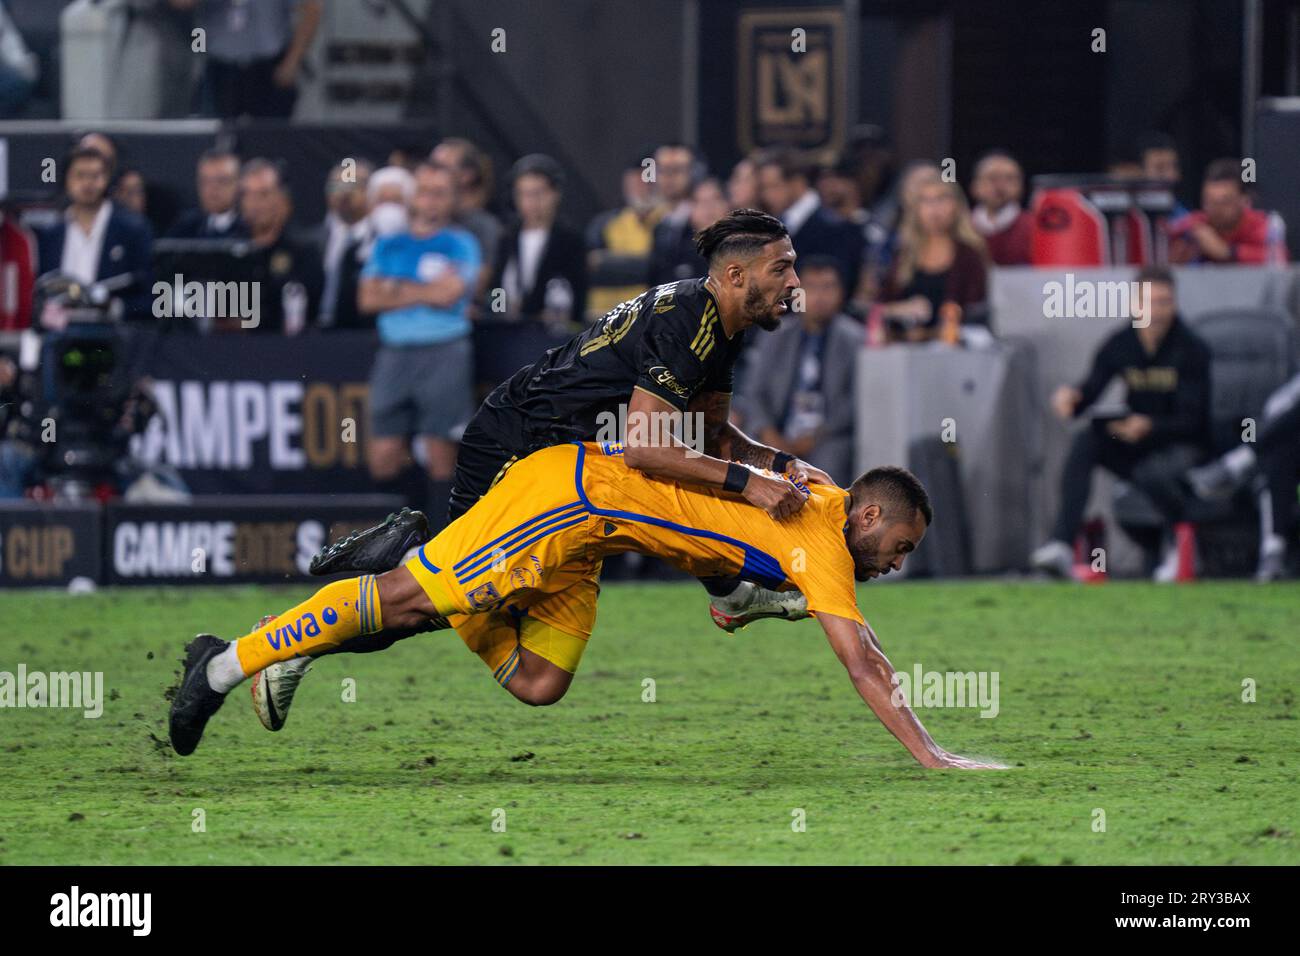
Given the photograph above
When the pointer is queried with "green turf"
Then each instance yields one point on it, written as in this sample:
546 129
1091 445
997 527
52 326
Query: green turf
1124 698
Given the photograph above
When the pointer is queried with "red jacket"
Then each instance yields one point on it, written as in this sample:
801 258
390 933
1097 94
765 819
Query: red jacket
17 275
1012 246
1249 242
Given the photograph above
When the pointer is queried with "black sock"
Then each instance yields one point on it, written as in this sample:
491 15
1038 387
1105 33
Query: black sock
720 587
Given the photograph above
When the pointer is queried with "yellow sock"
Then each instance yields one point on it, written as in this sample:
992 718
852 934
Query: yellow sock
336 613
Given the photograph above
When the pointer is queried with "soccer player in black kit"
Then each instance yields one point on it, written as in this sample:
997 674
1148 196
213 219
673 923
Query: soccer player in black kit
669 351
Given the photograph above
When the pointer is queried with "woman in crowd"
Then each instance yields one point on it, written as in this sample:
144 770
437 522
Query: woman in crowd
939 271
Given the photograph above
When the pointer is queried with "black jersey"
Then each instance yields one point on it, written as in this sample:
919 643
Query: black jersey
668 341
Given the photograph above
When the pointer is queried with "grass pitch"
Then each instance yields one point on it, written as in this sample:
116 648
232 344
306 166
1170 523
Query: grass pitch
1125 698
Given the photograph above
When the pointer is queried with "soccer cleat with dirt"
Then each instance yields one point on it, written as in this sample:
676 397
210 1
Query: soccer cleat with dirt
194 701
273 690
273 687
758 604
374 550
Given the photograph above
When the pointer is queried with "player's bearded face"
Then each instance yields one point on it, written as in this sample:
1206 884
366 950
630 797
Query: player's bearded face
763 308
865 547
880 546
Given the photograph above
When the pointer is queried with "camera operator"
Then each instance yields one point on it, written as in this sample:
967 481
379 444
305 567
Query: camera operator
72 410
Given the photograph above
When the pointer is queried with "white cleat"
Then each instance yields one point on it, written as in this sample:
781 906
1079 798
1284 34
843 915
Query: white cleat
273 690
274 686
749 603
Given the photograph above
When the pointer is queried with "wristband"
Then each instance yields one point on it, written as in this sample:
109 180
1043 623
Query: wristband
737 478
780 461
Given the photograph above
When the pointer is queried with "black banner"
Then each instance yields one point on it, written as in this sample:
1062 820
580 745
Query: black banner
230 540
263 415
48 544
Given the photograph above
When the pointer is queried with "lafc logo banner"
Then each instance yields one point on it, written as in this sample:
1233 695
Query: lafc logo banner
792 79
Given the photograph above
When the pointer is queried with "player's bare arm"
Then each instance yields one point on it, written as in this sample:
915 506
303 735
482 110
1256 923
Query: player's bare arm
724 440
858 649
679 462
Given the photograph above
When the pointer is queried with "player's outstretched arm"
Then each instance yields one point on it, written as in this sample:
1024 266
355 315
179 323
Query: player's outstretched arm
859 651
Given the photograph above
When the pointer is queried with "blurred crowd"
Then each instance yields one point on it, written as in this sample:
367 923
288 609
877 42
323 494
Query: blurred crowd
417 248
911 248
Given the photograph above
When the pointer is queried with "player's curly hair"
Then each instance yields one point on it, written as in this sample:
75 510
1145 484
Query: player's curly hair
895 489
741 232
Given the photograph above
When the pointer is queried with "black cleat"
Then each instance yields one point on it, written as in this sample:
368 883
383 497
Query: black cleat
374 550
195 701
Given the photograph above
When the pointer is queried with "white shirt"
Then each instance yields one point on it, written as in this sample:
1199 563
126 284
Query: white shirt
532 242
338 236
81 251
990 225
800 211
222 221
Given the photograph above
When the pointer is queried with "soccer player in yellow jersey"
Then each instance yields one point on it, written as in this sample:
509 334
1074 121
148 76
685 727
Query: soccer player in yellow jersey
516 576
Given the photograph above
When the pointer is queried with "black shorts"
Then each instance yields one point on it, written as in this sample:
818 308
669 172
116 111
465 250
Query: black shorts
481 461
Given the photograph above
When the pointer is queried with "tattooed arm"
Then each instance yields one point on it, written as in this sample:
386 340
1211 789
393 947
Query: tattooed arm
724 440
677 461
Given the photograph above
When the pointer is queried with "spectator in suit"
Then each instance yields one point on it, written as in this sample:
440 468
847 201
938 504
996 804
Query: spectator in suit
939 272
474 191
541 262
798 393
998 187
1226 229
619 243
343 232
388 196
217 216
1164 430
96 240
708 205
786 192
677 169
288 268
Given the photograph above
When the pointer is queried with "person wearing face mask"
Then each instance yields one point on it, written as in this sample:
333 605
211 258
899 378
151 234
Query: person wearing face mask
384 197
388 195
419 280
